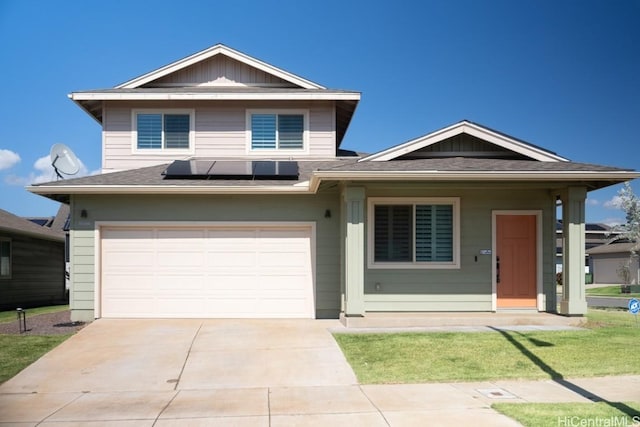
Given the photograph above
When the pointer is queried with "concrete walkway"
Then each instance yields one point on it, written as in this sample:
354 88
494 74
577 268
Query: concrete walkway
253 373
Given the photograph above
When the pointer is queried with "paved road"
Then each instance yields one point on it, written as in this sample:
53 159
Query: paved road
608 302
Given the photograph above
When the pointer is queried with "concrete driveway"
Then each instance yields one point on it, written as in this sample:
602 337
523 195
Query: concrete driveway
116 355
247 373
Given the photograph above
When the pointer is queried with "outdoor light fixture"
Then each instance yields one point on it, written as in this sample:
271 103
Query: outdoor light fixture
327 213
83 213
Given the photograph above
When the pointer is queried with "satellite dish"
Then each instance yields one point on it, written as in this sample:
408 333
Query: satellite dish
63 160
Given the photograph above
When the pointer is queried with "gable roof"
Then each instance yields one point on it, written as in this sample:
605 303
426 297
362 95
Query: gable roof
613 248
483 133
14 224
219 49
158 85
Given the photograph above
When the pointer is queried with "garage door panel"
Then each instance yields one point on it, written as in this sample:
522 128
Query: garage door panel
182 260
125 259
186 282
232 259
207 272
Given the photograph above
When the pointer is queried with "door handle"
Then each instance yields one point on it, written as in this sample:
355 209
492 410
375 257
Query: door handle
497 269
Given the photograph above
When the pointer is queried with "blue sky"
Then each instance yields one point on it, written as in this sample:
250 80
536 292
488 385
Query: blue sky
561 74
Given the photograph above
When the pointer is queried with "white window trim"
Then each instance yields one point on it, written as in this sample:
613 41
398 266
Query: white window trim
8 277
162 150
373 201
262 151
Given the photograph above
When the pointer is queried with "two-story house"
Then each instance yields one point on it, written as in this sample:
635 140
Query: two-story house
226 193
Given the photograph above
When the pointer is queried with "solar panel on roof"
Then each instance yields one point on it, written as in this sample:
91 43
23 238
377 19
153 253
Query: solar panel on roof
232 169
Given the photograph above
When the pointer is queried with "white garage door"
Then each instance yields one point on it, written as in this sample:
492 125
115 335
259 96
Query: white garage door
260 272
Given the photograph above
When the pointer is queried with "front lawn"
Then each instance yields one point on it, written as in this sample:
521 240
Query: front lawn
572 414
19 351
614 291
605 348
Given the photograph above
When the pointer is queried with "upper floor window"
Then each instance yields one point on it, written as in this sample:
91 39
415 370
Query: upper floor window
413 233
281 131
5 259
159 131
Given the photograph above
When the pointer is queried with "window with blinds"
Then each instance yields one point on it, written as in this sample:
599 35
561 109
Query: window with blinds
277 131
158 131
419 233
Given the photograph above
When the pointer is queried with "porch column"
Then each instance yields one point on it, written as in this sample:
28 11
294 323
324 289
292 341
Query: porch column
574 302
354 198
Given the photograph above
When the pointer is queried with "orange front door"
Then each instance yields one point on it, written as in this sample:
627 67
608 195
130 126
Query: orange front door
516 261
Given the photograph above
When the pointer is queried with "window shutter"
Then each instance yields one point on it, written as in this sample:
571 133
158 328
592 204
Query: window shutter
290 131
393 233
443 250
263 131
176 130
434 233
149 128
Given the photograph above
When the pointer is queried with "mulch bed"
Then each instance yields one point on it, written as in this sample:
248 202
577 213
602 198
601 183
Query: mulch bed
44 324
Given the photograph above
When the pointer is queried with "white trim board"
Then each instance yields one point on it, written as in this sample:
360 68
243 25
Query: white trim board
469 128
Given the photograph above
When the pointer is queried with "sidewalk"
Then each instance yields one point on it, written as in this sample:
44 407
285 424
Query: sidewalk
435 404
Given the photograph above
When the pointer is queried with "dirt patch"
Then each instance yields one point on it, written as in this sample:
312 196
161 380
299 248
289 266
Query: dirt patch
58 323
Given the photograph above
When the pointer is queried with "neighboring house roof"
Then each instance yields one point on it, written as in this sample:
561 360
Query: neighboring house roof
14 224
498 139
612 248
157 85
61 218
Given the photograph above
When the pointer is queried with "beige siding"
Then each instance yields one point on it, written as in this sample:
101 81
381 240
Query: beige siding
208 208
220 70
607 267
469 287
220 132
37 273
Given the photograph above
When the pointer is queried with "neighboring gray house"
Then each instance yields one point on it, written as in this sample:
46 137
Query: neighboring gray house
229 194
606 261
32 263
594 235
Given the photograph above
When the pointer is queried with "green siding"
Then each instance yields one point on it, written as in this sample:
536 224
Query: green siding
465 289
37 273
469 287
250 208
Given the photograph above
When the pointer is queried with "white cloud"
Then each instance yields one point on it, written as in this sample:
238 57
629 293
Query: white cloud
612 221
593 202
8 159
614 203
43 172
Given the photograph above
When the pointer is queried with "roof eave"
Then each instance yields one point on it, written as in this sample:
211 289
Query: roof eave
327 95
47 191
614 177
33 234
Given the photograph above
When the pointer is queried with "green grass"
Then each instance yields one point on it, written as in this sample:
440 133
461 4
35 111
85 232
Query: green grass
572 414
19 351
614 291
10 316
602 349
